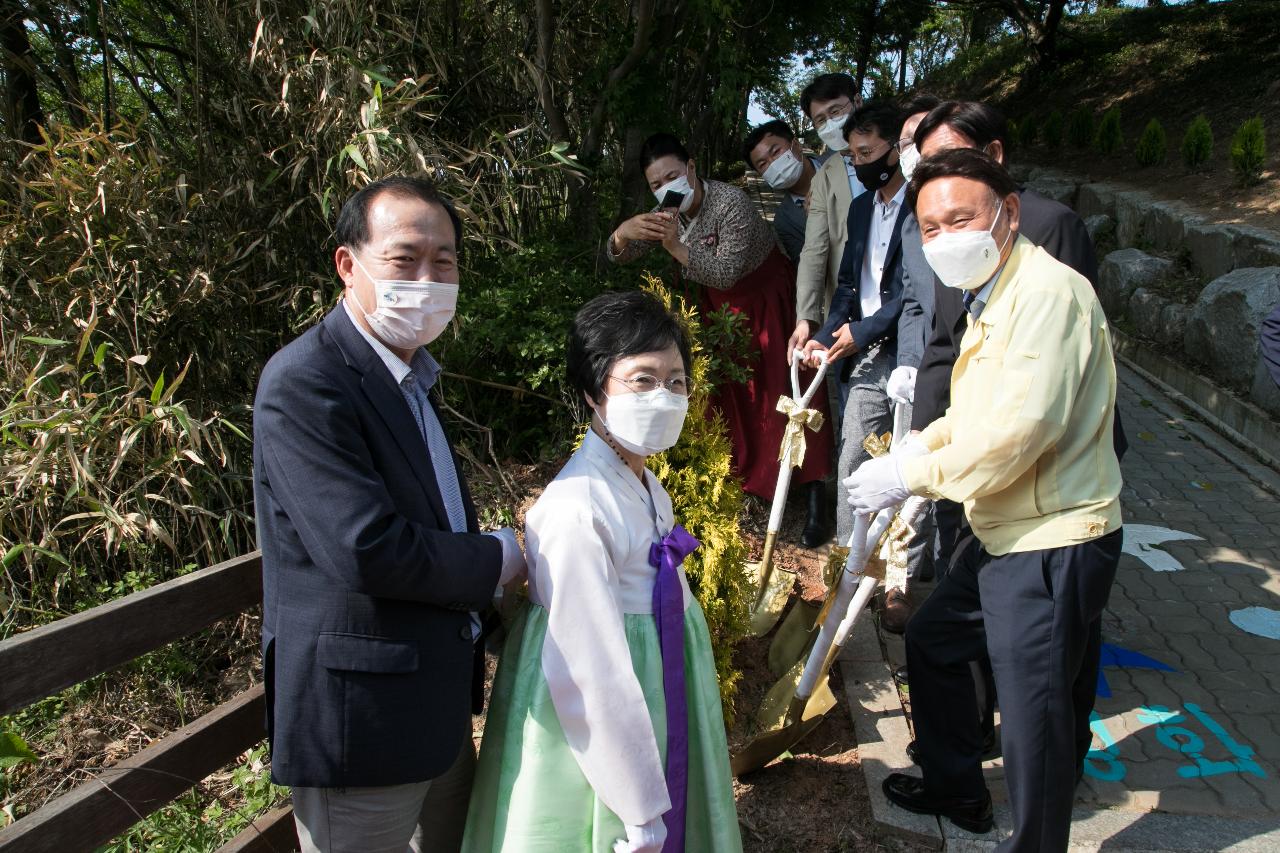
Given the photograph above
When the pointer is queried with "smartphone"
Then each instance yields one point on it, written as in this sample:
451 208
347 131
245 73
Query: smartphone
672 199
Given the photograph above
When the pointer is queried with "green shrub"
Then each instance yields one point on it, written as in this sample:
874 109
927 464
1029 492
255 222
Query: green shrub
1110 137
707 500
1080 127
1052 130
1197 143
1028 130
1249 151
1153 146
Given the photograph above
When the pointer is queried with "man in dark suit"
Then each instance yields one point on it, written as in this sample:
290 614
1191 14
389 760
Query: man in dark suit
861 328
373 564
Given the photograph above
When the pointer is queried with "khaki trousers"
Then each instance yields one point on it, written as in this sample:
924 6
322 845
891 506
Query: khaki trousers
421 817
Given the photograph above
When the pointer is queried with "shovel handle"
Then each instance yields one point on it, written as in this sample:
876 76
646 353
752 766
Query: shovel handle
858 547
814 383
909 513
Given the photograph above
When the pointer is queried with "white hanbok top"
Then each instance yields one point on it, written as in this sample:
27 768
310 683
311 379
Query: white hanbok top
587 540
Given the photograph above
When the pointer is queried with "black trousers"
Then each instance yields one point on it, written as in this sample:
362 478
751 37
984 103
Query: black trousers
957 543
1037 615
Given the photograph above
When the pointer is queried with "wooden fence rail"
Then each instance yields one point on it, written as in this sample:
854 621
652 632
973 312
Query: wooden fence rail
43 661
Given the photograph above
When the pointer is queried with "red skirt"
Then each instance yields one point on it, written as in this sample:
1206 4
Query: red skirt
766 297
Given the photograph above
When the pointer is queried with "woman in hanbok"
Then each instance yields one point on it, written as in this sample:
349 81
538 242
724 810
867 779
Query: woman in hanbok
605 731
723 243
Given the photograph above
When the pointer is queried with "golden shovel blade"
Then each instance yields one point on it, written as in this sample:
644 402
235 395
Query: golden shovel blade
791 642
783 724
772 598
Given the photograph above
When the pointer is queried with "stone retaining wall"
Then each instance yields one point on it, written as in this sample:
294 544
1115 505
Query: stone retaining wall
1152 243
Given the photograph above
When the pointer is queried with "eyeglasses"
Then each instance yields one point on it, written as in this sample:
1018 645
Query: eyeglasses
866 155
835 112
680 385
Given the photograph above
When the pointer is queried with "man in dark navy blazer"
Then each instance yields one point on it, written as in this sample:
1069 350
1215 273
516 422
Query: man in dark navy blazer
373 565
860 332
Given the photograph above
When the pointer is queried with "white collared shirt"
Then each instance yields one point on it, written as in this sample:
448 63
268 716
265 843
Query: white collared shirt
587 540
883 216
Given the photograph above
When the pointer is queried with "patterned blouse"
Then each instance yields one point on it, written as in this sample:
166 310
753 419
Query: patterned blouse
727 239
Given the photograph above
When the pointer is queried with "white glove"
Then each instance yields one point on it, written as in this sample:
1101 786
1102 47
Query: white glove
902 384
514 566
875 485
645 838
909 448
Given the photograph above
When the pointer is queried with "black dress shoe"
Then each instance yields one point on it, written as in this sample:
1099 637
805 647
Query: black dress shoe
817 529
990 750
969 813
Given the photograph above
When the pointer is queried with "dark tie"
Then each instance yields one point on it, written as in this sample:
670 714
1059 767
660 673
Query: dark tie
973 304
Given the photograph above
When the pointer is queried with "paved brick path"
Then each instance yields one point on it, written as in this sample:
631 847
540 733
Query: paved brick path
1203 738
1206 738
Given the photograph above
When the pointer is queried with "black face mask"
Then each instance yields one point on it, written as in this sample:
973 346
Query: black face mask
877 173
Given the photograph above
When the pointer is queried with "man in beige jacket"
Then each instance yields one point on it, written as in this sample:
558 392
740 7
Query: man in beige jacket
827 101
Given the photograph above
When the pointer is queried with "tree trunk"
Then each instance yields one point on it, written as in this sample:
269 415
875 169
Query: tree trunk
866 40
22 97
557 126
903 52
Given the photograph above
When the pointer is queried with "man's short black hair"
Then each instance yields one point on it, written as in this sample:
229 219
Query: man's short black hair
777 127
921 102
883 118
352 228
661 145
828 87
981 123
613 326
971 163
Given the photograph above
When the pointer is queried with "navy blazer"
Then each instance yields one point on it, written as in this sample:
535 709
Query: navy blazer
368 658
846 306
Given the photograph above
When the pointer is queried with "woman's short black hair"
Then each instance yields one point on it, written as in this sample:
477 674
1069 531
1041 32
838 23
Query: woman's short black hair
828 87
616 325
352 228
981 123
777 127
972 163
883 118
660 145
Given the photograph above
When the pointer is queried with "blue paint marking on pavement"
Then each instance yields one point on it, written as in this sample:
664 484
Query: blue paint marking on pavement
1262 621
1125 659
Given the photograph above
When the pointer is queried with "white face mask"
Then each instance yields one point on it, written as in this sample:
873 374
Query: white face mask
680 185
645 423
832 133
784 171
907 159
966 259
409 314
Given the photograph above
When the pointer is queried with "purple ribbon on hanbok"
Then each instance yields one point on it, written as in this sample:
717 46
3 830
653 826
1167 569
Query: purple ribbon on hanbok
668 611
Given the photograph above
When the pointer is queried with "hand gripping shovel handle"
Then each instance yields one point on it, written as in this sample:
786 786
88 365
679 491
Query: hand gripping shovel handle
909 513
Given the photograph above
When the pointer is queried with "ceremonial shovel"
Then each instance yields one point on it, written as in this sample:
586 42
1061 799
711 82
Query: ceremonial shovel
774 585
792 639
799 701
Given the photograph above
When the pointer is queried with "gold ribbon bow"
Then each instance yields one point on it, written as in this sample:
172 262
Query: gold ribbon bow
793 443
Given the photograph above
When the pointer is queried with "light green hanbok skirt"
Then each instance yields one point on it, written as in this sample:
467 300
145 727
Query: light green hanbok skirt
530 795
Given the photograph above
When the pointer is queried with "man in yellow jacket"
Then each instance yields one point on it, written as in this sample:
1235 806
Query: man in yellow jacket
1027 447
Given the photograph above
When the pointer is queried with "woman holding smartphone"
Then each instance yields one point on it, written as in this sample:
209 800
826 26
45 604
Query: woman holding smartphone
721 242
